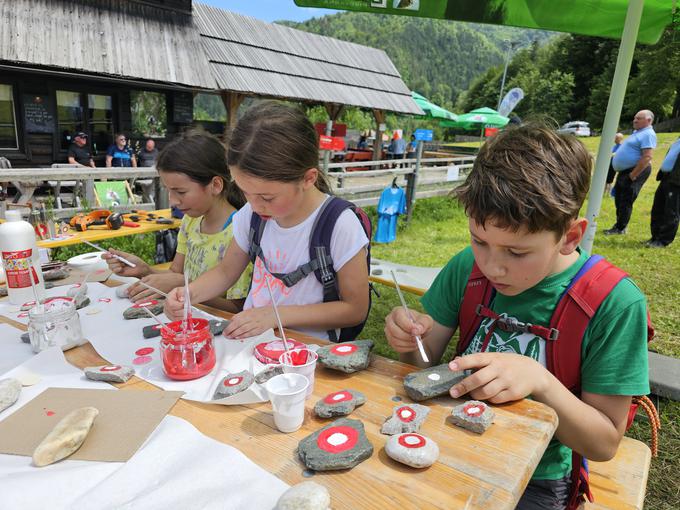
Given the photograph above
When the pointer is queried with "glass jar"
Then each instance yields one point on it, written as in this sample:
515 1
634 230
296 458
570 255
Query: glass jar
187 354
55 322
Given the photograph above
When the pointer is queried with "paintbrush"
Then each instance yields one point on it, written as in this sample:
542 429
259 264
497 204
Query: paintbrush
276 312
419 341
163 326
187 323
164 294
122 259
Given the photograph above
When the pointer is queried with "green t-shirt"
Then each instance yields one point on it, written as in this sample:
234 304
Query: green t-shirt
202 252
614 348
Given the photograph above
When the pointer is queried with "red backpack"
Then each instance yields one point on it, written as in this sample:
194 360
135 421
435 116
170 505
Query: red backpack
564 335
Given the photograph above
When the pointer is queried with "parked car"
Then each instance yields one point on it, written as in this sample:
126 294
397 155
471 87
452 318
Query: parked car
576 128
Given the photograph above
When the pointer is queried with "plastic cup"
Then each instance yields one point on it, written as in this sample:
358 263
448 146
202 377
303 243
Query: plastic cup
290 361
287 395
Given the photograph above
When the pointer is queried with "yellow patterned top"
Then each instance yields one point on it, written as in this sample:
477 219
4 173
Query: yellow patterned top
202 252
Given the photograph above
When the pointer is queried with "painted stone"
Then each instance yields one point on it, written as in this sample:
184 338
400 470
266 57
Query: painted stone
268 373
137 312
405 418
268 353
26 338
233 384
339 445
9 392
305 496
55 274
66 437
49 285
151 331
347 357
110 373
77 289
27 306
121 290
3 291
412 449
217 326
431 382
473 415
339 403
81 301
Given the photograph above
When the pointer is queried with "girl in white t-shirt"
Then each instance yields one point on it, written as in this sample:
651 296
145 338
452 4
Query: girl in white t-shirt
273 158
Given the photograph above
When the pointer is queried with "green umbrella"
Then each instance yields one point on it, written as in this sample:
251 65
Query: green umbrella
431 109
476 119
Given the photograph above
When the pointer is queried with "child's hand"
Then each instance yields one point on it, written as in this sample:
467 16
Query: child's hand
400 331
251 322
499 376
164 282
118 267
174 304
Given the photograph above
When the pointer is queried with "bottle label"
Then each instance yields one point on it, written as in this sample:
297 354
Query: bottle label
19 268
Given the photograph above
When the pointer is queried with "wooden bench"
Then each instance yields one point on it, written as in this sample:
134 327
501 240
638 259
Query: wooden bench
621 483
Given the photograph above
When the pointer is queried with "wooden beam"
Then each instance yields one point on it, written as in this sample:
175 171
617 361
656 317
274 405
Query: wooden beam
334 110
379 116
231 100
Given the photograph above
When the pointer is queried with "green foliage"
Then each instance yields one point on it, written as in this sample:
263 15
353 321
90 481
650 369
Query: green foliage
143 246
209 107
149 113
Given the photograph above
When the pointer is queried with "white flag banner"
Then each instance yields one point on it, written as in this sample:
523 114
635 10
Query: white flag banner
510 101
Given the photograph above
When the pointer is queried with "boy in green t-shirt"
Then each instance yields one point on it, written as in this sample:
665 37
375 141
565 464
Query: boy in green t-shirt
522 199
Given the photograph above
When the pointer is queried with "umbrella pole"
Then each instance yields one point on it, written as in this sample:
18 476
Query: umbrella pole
611 119
481 135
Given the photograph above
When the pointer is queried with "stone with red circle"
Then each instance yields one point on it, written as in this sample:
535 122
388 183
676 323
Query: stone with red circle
348 357
137 310
232 384
109 373
473 415
268 353
414 450
340 445
339 403
405 418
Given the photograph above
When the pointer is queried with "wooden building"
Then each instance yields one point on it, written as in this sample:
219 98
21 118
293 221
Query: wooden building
100 66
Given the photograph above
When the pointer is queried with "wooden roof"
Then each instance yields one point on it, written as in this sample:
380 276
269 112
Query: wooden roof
124 39
257 58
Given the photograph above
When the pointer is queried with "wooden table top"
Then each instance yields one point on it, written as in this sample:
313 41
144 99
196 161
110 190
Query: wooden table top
99 233
473 471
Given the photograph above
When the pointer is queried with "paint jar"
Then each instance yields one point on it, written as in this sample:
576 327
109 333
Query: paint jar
187 354
55 322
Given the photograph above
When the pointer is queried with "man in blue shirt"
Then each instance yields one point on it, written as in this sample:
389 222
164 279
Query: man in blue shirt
119 154
632 163
666 207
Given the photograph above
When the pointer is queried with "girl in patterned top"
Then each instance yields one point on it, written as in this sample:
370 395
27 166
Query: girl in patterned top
194 170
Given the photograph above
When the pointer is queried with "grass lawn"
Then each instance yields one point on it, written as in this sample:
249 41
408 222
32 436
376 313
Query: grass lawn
438 230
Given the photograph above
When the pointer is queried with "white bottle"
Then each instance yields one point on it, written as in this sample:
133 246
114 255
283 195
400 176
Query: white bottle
20 258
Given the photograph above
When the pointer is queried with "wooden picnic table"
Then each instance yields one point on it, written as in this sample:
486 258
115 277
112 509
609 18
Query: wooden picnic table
473 471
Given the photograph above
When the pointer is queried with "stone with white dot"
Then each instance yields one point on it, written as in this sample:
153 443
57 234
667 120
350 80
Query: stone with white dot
414 450
347 357
339 403
405 418
232 384
473 415
431 382
110 373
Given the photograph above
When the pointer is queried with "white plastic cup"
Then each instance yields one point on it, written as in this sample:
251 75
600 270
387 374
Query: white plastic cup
287 395
307 369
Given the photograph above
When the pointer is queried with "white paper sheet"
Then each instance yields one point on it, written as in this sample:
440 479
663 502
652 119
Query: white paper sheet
177 467
13 351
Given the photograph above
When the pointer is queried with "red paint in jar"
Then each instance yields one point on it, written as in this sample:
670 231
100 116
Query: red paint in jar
187 354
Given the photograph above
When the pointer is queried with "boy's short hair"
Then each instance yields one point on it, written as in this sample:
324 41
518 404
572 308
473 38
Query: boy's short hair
528 176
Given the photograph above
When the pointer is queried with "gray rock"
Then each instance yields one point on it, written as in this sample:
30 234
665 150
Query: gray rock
405 418
137 312
49 285
413 450
26 338
9 392
347 357
3 291
305 496
268 373
121 290
233 384
339 445
218 326
81 301
110 373
377 271
27 306
473 415
151 331
339 403
55 274
431 382
77 290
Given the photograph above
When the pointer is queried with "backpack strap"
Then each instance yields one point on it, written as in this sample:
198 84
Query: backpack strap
579 302
478 291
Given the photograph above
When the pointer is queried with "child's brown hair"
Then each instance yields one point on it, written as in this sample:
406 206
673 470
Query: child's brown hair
528 176
275 141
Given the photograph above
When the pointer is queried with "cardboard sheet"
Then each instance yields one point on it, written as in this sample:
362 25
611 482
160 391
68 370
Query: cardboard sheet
126 419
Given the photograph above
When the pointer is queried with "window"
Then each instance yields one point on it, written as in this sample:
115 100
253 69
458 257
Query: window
8 123
69 116
209 107
91 113
100 116
149 114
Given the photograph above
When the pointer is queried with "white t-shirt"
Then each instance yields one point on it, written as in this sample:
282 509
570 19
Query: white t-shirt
285 249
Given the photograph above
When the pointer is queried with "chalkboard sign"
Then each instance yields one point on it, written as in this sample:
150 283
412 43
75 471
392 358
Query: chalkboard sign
37 114
183 107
